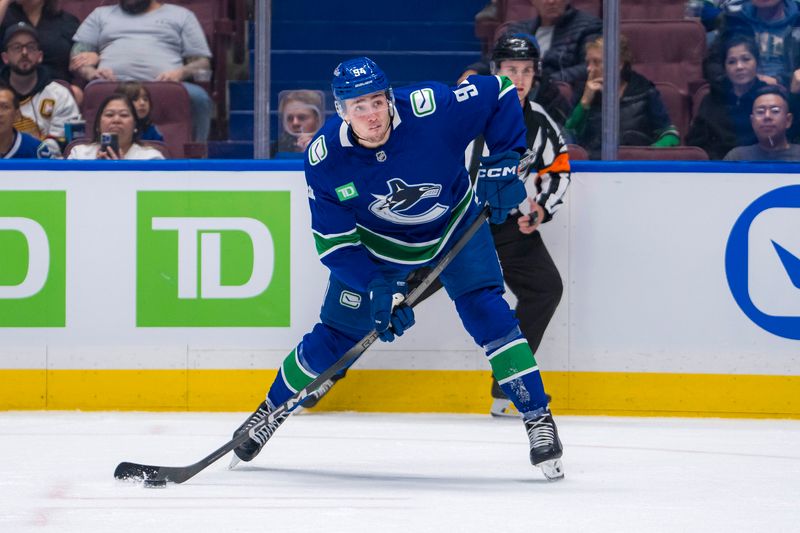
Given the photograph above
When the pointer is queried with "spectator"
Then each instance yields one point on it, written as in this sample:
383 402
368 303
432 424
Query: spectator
562 33
723 119
775 26
643 119
116 115
301 117
142 102
517 57
45 104
55 28
146 40
14 144
771 120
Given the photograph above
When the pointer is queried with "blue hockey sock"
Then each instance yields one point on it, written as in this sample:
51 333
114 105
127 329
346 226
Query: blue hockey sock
515 369
293 375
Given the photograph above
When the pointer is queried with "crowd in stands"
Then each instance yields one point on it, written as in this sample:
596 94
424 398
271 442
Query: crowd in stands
690 80
53 64
749 54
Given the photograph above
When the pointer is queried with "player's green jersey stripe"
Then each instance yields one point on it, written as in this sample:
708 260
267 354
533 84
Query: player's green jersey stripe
512 361
294 375
397 251
329 243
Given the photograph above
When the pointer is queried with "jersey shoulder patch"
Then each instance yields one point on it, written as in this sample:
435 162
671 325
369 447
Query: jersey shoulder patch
423 102
318 151
506 86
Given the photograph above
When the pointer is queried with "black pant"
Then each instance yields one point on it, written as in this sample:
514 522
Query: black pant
533 278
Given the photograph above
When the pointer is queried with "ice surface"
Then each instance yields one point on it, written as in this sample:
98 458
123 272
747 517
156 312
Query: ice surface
349 472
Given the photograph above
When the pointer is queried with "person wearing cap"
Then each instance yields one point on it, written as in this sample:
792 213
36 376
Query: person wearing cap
55 26
45 104
389 194
15 144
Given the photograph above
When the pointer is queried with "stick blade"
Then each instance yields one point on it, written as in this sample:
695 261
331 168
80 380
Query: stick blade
136 472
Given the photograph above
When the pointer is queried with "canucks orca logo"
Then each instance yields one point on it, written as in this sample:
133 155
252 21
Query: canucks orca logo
398 206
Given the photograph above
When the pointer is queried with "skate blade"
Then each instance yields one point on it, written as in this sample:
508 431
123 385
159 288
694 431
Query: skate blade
504 408
553 470
234 461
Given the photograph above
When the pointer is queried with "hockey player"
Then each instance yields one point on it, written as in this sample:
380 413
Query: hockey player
389 193
528 269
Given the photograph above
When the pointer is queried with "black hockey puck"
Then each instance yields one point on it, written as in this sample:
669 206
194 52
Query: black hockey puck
155 483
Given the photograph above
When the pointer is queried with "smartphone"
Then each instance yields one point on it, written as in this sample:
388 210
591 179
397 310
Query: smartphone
109 140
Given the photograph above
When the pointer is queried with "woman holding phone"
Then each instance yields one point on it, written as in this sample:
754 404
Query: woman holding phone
115 134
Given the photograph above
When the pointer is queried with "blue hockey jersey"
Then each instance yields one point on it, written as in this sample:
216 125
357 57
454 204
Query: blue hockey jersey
400 204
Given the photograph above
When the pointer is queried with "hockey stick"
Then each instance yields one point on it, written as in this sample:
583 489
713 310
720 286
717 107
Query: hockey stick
179 474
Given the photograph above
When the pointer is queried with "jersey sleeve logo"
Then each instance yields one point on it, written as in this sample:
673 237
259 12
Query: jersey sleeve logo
346 192
46 107
318 151
423 102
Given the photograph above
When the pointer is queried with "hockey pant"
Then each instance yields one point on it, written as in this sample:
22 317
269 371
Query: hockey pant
473 281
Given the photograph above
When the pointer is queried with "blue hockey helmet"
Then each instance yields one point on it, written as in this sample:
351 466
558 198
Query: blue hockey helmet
357 77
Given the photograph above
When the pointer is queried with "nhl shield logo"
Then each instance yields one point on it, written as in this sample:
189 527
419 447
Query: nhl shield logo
380 156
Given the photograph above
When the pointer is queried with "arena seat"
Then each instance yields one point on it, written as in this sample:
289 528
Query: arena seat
677 105
668 51
593 7
171 113
652 9
219 29
82 8
652 153
697 98
577 153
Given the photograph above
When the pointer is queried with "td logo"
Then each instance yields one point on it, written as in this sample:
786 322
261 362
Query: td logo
32 258
762 262
213 259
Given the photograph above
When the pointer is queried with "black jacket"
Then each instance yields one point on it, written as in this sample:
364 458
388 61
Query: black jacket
643 118
565 60
723 120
